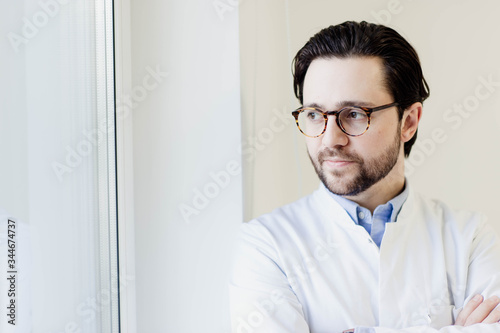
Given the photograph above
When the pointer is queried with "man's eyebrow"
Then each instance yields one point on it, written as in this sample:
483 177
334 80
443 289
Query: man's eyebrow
313 105
341 104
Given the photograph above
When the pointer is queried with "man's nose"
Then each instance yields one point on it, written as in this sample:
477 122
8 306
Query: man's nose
334 136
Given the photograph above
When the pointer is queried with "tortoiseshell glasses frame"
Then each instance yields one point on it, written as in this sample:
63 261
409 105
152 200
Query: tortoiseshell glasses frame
367 111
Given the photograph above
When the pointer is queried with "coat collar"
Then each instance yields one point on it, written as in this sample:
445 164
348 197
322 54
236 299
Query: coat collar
331 209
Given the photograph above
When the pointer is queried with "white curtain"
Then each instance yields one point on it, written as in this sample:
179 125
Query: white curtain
57 148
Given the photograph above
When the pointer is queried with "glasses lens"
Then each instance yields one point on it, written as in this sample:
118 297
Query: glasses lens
311 122
353 120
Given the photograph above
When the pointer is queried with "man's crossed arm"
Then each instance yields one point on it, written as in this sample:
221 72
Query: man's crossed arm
477 311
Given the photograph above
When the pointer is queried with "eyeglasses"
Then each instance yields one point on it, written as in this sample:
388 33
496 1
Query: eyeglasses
352 120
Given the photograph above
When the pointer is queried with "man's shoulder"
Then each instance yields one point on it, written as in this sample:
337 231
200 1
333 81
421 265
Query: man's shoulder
293 217
288 212
442 212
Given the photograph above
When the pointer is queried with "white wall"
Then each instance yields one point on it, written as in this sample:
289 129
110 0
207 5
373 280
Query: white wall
457 45
187 127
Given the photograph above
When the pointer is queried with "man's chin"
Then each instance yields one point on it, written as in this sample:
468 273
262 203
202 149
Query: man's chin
339 185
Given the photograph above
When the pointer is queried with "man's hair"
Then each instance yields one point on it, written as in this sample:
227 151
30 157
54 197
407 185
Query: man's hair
403 74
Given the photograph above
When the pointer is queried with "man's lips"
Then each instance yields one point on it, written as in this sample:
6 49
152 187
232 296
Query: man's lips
338 163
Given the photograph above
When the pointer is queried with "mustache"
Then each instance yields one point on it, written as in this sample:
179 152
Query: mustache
329 153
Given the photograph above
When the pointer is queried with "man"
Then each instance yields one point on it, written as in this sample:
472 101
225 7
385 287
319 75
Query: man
364 253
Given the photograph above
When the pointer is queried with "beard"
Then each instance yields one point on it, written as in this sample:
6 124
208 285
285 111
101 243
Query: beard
352 182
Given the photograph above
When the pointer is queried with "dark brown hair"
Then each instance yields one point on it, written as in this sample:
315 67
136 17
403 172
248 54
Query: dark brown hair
403 74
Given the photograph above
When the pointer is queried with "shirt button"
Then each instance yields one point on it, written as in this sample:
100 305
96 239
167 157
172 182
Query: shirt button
361 215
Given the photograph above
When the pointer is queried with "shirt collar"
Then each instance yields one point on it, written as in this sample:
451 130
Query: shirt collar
398 201
352 208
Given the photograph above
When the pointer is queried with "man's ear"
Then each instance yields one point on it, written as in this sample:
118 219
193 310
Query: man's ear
410 120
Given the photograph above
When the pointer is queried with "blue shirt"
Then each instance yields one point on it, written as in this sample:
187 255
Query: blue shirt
373 224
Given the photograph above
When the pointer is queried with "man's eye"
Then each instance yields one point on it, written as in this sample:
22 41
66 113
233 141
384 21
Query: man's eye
314 115
355 114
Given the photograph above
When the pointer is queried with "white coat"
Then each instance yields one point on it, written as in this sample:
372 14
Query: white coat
307 267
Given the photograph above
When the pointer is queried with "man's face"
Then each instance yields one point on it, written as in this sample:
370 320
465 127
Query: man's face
350 165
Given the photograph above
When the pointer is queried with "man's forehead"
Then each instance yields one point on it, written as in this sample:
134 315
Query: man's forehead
338 82
341 104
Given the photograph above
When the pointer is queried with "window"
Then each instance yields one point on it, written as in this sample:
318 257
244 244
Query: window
58 171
